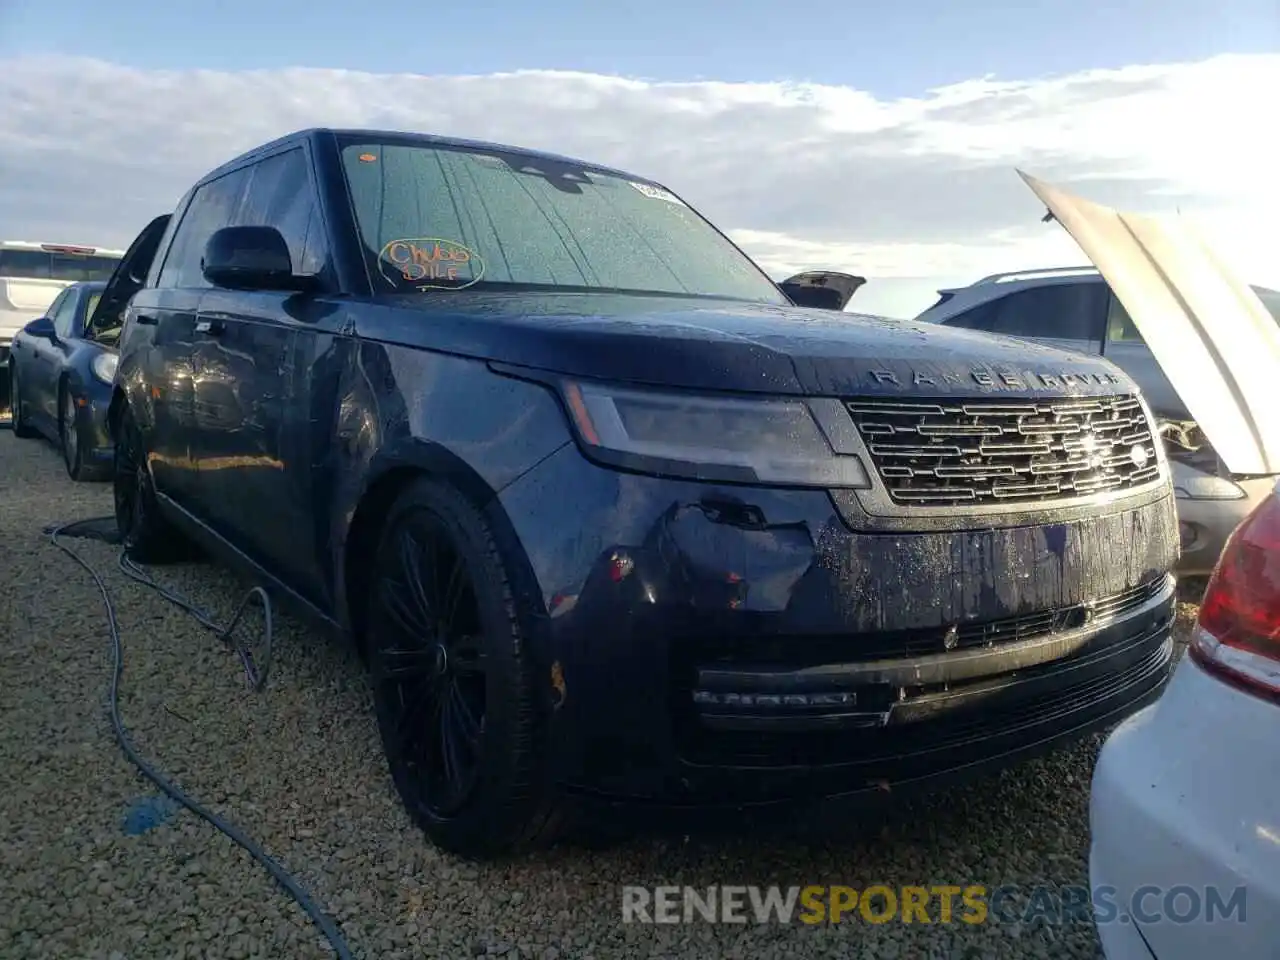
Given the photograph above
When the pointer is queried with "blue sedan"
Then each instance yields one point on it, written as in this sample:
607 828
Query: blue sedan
60 378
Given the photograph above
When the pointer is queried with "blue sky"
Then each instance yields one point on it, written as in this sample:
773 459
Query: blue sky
901 171
888 48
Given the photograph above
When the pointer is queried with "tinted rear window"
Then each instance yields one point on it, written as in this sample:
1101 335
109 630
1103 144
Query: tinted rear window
43 265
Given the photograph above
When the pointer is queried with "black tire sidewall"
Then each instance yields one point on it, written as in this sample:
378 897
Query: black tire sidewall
150 539
505 797
75 467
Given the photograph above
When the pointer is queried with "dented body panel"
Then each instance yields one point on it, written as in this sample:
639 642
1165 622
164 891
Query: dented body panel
771 590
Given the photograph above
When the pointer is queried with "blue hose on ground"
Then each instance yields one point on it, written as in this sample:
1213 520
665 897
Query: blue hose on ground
255 674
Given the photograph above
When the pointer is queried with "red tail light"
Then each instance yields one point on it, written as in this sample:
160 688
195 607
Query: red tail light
1239 631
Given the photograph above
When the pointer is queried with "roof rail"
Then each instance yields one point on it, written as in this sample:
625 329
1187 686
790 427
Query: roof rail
1040 274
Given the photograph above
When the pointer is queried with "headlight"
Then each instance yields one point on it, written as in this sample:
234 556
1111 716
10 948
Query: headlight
104 366
1191 484
701 437
1204 487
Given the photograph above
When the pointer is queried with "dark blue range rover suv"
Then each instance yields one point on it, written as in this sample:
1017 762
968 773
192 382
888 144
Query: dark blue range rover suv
605 510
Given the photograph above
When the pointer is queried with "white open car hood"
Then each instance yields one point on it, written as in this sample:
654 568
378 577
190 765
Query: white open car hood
1212 336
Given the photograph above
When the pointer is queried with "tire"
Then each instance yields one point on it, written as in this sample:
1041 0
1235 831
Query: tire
21 428
468 673
72 440
145 535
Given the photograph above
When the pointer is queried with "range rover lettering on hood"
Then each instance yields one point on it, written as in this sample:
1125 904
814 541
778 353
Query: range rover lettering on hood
1213 338
994 380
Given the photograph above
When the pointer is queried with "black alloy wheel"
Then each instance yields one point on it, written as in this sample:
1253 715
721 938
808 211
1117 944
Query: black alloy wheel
453 687
433 671
73 444
69 431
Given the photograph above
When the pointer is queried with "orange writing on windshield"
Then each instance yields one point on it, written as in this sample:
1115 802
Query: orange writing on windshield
428 261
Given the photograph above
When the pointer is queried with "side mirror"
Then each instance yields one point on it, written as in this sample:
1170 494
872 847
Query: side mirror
821 289
41 327
250 258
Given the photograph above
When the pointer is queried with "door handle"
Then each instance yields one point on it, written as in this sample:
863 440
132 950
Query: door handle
212 327
145 319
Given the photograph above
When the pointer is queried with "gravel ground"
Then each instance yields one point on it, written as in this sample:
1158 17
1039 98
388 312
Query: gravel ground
299 767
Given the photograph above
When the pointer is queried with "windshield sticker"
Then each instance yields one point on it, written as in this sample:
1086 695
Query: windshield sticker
430 263
368 157
657 193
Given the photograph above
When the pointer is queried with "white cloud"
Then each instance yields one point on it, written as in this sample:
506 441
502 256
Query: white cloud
915 193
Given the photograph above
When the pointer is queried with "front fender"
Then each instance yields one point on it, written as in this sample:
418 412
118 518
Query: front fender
404 412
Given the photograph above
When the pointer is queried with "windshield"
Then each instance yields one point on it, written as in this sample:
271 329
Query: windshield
44 265
441 218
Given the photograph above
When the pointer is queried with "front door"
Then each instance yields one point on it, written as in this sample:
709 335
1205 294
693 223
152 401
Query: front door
40 391
252 440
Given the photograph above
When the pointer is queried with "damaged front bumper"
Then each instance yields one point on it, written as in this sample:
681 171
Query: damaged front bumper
739 646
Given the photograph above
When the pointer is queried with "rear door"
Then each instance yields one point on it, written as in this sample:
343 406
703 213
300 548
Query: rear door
39 375
65 322
168 306
252 433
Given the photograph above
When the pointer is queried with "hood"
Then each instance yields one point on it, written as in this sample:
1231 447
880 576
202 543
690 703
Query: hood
718 345
1212 336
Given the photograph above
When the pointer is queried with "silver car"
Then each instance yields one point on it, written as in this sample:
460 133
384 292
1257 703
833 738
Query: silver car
1223 462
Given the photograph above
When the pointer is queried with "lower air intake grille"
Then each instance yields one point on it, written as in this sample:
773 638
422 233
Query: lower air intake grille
948 452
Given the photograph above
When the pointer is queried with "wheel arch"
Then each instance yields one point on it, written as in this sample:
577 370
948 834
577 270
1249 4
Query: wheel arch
114 409
391 473
64 387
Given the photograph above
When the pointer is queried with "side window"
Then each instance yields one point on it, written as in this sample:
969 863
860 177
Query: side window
280 195
64 315
212 207
981 317
1120 326
1064 311
58 301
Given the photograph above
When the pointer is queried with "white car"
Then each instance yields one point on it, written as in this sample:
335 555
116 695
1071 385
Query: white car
1185 812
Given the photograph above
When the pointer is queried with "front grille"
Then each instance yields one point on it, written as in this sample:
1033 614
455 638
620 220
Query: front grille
948 452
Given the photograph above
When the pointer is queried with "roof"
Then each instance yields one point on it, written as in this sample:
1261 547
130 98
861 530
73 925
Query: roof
421 139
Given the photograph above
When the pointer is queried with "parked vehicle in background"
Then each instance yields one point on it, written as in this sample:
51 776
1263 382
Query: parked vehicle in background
1075 308
60 374
606 512
1184 793
31 277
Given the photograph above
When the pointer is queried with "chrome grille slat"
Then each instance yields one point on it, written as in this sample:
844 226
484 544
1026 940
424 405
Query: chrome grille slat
965 452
